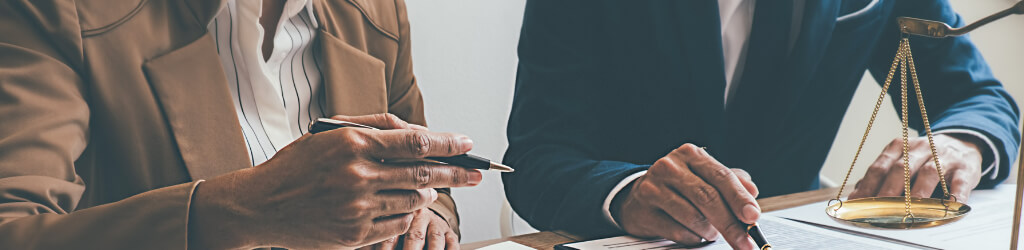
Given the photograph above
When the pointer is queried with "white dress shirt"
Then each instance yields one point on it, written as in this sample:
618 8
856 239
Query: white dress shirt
736 17
275 99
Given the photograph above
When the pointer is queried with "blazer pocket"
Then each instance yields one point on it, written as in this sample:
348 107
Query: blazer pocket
355 82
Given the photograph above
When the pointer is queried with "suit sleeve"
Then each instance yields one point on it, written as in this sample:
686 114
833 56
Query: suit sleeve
406 102
45 130
560 182
960 91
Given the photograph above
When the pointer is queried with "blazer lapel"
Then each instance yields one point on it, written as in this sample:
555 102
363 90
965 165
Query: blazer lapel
191 87
205 10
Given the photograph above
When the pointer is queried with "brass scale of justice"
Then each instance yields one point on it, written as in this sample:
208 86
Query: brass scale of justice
908 212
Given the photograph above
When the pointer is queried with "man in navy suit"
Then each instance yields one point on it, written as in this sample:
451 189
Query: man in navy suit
616 100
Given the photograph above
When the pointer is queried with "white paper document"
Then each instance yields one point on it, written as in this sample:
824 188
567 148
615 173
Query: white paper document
987 226
781 233
507 245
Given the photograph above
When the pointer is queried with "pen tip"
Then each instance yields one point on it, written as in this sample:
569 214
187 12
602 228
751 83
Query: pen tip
501 167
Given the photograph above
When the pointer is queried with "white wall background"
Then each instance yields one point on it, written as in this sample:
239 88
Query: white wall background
465 59
464 54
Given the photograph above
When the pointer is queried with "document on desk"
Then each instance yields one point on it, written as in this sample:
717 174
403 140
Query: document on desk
781 233
987 226
507 245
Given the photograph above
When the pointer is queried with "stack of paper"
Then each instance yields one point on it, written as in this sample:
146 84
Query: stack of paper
781 233
987 226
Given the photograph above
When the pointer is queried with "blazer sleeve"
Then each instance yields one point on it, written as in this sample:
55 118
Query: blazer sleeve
45 130
560 182
406 102
404 97
960 91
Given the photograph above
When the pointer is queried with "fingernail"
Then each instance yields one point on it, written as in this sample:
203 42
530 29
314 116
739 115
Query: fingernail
465 144
475 177
433 195
750 213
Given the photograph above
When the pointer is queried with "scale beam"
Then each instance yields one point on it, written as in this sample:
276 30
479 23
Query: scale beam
935 29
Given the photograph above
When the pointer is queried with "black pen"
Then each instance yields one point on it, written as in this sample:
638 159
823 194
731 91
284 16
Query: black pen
463 160
755 233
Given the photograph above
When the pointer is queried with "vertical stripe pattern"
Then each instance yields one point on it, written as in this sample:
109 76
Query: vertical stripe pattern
276 99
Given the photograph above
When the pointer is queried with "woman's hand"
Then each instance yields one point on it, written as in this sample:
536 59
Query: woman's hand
428 231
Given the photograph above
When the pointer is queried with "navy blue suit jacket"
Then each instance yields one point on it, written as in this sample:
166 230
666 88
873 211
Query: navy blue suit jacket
605 88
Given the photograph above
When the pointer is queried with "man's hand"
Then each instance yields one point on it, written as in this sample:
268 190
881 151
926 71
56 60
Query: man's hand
960 159
688 196
428 231
336 189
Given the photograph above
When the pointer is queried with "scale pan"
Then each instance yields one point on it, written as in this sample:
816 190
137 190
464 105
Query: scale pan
889 212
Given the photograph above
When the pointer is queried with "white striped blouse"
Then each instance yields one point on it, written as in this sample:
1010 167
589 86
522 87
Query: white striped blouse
276 99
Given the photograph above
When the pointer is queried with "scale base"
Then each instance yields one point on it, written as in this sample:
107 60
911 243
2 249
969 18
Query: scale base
890 212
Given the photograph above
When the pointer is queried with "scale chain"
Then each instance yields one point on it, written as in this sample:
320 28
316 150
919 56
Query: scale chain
904 118
927 125
903 60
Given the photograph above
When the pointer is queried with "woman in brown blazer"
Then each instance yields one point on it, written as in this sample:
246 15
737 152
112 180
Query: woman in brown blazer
119 130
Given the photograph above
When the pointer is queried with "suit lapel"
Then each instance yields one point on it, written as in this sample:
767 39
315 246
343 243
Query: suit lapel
773 79
699 33
819 19
813 37
760 92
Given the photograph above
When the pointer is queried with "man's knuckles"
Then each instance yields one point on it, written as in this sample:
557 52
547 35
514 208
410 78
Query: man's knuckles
647 191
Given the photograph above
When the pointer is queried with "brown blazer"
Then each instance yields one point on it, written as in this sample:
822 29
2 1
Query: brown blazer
111 110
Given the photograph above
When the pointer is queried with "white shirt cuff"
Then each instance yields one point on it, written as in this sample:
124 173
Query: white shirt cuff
615 191
992 148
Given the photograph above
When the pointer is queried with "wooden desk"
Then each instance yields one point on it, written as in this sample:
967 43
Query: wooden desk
548 240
